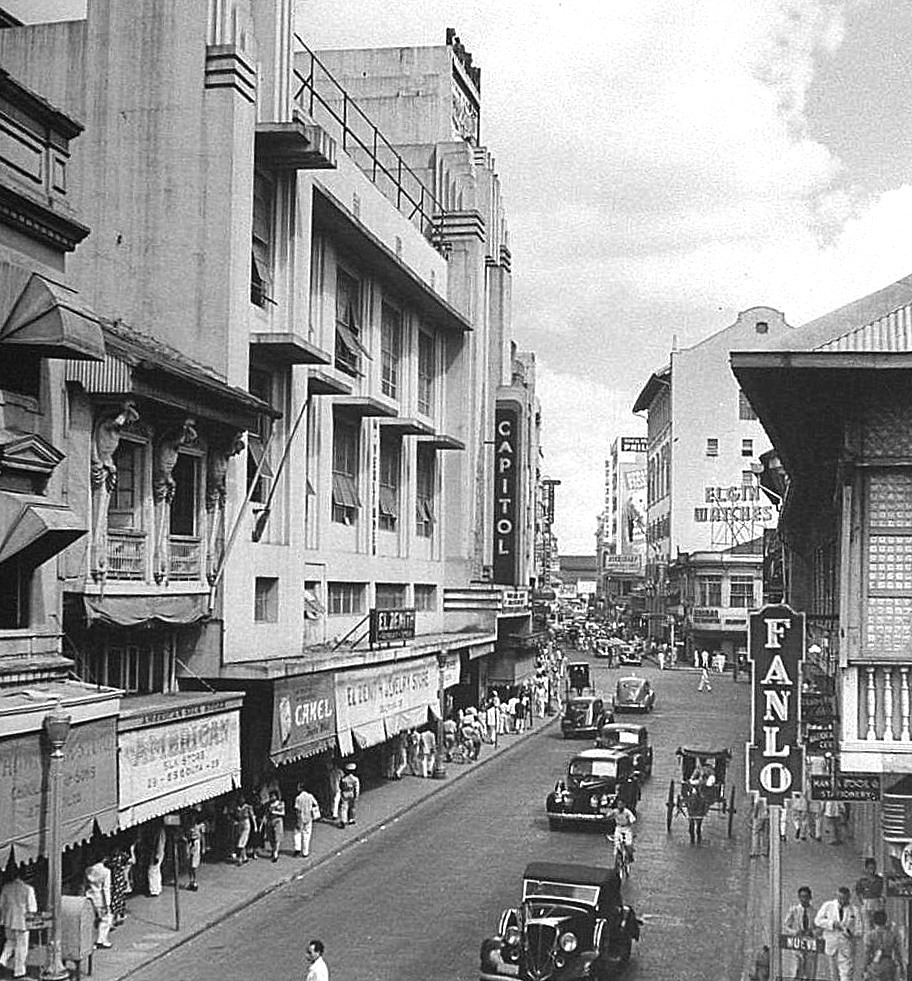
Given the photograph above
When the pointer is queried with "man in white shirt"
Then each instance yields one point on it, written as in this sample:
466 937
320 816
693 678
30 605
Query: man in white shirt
318 971
840 925
306 809
17 900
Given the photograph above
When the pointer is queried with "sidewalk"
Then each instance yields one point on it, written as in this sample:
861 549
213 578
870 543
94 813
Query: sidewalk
818 864
224 889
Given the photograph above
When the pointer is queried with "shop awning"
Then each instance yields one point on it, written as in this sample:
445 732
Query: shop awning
48 319
88 783
133 611
38 529
303 716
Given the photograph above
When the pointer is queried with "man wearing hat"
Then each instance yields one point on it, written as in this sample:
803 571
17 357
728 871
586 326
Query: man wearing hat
350 790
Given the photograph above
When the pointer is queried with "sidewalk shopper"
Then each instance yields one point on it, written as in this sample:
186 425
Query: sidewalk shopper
521 708
401 752
427 751
350 791
317 969
244 819
491 715
98 890
833 818
883 951
307 810
275 815
799 922
17 901
870 893
449 739
156 857
335 780
119 861
413 744
798 812
194 829
838 920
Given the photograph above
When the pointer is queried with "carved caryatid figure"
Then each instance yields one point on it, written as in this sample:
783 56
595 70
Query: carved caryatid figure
105 440
166 453
217 472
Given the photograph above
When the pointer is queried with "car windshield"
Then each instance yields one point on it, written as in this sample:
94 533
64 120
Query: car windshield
533 888
631 686
578 708
625 737
584 768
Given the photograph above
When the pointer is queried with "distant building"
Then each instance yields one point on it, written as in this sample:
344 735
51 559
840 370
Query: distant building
621 537
706 512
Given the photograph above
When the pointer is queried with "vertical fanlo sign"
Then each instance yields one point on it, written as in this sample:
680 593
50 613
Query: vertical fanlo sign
776 647
506 494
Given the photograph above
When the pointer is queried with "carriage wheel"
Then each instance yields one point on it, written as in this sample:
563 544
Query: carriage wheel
669 806
731 812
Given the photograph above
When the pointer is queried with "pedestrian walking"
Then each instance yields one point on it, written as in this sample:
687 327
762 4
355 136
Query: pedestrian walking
799 922
833 817
883 951
869 890
413 752
704 659
307 810
275 827
17 902
427 751
193 831
815 817
491 715
838 920
244 818
316 966
449 739
156 857
119 862
520 713
704 680
760 827
799 814
334 778
98 892
350 789
661 658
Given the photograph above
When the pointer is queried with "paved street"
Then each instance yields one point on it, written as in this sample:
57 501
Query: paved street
415 899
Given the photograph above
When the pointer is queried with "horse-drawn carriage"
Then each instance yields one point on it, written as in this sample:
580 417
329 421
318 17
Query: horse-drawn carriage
702 789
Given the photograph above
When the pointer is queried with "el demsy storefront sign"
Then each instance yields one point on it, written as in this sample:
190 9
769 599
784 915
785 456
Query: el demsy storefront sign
775 760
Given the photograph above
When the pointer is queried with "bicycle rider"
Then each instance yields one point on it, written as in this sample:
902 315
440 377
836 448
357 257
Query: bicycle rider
624 820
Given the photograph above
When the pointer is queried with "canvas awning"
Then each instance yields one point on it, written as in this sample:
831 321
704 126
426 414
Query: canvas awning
133 611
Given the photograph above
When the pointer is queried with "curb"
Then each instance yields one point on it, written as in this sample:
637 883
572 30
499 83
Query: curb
368 831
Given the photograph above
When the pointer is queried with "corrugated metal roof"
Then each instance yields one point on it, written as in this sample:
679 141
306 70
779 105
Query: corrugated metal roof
891 333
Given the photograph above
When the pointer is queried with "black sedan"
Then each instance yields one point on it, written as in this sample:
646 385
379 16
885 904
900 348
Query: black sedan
630 738
584 715
595 777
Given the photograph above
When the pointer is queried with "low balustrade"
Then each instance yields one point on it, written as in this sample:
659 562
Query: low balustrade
185 558
126 554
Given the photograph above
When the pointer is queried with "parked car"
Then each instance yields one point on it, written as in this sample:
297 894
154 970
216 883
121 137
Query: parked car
572 924
634 694
630 738
630 655
594 778
584 715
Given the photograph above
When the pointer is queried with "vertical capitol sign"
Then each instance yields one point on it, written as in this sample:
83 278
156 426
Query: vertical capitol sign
506 494
775 761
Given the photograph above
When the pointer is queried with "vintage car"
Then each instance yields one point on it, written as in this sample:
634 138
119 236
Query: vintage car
629 655
594 779
584 715
630 738
572 924
634 694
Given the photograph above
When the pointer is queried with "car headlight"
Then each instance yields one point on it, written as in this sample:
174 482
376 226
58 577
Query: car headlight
513 935
568 942
593 801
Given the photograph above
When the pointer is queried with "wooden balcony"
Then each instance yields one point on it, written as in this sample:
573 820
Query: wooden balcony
185 555
126 554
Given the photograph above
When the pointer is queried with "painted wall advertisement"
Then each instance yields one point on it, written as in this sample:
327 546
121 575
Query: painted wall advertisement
164 760
303 716
89 788
506 495
375 703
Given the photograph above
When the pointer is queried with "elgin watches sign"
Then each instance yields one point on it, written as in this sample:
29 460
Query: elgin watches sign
775 761
506 495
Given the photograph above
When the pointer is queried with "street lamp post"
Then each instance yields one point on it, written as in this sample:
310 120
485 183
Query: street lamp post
56 730
439 771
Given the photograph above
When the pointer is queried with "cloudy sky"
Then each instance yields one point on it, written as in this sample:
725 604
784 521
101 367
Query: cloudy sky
665 164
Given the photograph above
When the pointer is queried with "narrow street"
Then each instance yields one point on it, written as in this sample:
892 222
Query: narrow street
416 899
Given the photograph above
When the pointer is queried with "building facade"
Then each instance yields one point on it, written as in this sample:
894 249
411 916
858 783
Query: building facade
704 498
621 533
835 403
284 459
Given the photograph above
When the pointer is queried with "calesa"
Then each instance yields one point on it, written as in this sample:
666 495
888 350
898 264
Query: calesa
777 648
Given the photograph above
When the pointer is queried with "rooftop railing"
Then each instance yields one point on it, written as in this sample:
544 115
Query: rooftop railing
327 103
